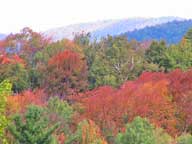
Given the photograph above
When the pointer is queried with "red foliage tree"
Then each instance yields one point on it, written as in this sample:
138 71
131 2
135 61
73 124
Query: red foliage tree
101 106
66 74
26 43
181 89
11 59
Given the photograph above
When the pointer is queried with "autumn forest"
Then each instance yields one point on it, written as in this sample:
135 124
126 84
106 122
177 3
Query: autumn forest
86 91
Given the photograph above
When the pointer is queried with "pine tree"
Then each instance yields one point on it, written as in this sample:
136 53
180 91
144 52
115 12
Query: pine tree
35 129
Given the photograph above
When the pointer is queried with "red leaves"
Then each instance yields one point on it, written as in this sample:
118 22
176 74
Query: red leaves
66 73
68 61
101 105
148 96
181 89
26 43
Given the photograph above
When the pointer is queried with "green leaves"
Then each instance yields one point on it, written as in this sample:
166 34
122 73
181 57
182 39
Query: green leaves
116 61
188 36
5 90
16 74
156 53
139 131
35 129
173 56
61 108
184 139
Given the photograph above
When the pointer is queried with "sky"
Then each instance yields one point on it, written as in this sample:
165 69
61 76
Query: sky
42 15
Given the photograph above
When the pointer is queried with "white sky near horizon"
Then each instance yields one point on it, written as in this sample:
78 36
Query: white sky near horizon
41 15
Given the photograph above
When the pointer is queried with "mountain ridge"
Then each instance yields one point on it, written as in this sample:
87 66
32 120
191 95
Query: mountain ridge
171 32
103 28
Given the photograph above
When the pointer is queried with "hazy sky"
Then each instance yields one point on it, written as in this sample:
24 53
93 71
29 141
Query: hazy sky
44 14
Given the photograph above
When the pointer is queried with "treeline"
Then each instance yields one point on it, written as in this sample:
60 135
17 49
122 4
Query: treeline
94 92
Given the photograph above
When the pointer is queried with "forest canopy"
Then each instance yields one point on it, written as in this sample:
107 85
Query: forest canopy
84 91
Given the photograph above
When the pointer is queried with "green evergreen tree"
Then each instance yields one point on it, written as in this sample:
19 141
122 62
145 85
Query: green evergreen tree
139 131
33 128
156 53
188 36
62 113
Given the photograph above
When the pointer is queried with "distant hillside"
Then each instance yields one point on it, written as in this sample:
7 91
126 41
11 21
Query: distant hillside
2 36
171 32
107 27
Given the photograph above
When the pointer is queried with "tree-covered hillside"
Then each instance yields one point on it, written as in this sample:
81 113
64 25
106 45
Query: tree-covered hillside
101 29
2 36
80 91
171 32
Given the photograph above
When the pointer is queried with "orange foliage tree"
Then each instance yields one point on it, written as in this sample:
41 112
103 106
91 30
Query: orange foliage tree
11 59
91 133
153 101
19 102
164 98
87 133
147 97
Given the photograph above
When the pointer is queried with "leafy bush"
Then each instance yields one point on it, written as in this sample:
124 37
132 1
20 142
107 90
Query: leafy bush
61 108
5 89
161 137
184 139
139 131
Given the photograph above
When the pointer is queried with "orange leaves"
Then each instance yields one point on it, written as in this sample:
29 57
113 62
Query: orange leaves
146 97
4 59
165 99
14 59
91 133
70 45
151 99
19 102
